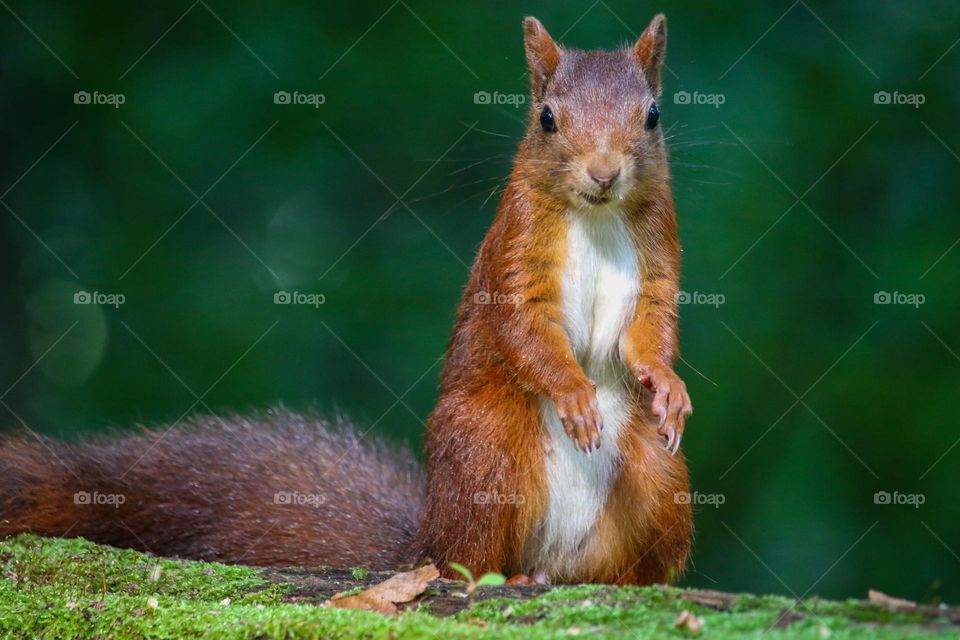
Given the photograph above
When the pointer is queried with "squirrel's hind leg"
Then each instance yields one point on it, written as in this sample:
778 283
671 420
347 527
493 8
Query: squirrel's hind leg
647 524
486 489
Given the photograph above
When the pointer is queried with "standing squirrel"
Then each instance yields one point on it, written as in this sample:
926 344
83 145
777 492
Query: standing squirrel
553 450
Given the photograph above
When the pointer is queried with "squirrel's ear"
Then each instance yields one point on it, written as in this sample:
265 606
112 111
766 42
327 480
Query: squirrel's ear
651 49
543 55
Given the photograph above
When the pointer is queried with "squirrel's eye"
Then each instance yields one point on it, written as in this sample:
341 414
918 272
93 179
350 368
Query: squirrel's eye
653 116
547 121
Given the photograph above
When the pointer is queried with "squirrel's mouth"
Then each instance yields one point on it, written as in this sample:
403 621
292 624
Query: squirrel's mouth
595 199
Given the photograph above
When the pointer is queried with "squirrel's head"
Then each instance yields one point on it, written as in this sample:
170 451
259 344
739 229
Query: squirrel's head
594 137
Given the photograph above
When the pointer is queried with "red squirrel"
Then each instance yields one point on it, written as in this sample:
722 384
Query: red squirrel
553 451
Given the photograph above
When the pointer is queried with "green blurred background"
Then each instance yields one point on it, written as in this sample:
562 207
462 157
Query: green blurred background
303 198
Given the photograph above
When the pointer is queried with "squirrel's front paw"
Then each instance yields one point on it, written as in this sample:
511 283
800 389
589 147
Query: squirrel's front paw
670 401
579 414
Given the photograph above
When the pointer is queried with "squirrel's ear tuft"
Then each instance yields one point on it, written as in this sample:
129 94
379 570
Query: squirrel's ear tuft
543 55
651 49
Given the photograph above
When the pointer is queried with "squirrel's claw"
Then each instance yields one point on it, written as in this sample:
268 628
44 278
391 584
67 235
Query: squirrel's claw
672 443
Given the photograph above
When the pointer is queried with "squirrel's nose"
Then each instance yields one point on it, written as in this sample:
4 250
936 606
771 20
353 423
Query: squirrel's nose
603 173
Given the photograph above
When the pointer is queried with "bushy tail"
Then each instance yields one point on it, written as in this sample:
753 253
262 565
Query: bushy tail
277 489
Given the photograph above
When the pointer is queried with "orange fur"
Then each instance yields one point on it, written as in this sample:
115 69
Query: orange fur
486 435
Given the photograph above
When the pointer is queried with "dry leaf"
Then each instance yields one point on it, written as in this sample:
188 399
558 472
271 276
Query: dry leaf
385 597
690 622
709 598
883 600
787 617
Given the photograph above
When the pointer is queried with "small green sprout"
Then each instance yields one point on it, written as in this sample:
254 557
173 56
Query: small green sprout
486 580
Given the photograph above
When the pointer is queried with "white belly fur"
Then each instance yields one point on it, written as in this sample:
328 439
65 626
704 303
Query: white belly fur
600 288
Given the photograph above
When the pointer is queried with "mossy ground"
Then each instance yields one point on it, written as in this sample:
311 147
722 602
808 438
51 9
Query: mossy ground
75 589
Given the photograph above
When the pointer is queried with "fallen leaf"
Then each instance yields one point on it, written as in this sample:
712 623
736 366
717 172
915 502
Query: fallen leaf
385 597
787 617
883 600
689 622
709 598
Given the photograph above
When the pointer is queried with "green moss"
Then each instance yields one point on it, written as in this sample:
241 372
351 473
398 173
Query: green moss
76 589
75 566
359 573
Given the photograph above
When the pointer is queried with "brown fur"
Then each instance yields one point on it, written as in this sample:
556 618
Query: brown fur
209 490
486 436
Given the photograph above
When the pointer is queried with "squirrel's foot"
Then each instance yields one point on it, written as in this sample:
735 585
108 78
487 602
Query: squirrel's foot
523 580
